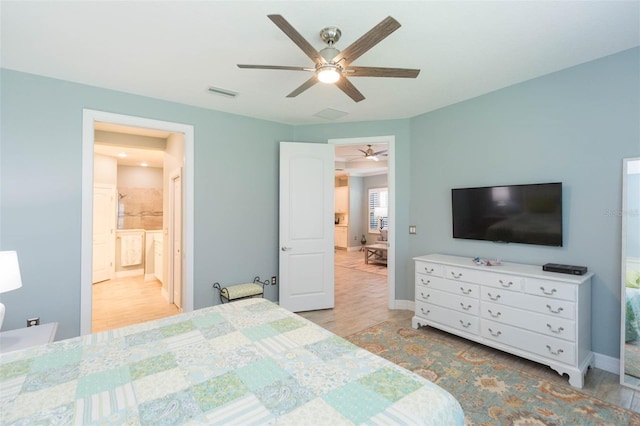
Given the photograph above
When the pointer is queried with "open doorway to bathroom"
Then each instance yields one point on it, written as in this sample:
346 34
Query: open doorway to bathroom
139 184
129 277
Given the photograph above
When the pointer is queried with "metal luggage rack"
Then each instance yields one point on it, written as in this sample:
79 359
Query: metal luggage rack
241 291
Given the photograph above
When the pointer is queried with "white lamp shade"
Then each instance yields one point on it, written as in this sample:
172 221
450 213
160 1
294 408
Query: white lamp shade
9 271
380 212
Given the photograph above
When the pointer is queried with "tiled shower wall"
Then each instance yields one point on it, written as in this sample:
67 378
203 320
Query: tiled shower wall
140 208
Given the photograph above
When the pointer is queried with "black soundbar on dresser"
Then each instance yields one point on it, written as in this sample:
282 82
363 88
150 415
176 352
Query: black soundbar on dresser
565 269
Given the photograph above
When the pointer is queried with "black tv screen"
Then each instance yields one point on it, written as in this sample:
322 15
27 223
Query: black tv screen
528 214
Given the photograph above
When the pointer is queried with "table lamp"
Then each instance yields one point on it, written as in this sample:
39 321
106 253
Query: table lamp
9 276
380 213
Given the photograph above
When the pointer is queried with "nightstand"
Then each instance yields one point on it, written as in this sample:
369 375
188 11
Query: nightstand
21 338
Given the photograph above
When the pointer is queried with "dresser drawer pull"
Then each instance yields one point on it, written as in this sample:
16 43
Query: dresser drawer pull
425 312
425 297
494 315
496 334
548 293
557 331
428 270
456 276
427 282
465 292
556 311
558 352
466 308
467 325
506 285
496 297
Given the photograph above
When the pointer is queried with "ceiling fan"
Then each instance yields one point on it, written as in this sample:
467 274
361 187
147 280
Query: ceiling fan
332 66
369 154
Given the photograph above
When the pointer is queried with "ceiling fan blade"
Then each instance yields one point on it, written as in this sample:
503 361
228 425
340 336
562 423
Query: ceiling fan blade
297 38
275 67
384 152
374 36
304 86
348 88
382 72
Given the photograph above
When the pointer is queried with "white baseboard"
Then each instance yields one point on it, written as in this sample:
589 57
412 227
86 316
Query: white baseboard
408 305
150 277
130 273
606 363
165 294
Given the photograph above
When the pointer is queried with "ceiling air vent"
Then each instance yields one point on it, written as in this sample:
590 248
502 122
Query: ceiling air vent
222 92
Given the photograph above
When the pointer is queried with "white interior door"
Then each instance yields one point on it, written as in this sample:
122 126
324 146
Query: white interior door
104 222
176 237
306 226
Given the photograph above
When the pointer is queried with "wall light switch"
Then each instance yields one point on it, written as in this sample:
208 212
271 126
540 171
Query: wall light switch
412 229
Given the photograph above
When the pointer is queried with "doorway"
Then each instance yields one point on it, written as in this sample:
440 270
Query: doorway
389 143
181 243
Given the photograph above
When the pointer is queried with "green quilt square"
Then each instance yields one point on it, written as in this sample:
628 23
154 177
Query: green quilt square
102 381
330 348
15 369
178 328
56 359
356 402
260 332
218 391
286 324
389 383
208 320
261 373
152 365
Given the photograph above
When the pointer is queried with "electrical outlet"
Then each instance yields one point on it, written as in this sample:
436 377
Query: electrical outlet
33 321
273 280
412 229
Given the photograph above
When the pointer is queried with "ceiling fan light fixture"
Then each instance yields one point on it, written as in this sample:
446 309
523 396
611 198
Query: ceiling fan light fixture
328 73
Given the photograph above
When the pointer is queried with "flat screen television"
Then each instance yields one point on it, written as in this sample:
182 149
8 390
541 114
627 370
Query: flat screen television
527 214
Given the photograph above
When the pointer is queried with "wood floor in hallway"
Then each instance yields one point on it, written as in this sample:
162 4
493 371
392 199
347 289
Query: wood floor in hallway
127 301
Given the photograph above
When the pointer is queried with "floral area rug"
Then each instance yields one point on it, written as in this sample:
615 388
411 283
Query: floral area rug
490 393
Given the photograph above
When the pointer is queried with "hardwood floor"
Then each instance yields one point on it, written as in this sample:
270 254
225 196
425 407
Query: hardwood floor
360 302
127 301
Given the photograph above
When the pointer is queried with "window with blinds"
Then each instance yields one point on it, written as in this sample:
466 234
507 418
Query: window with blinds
378 209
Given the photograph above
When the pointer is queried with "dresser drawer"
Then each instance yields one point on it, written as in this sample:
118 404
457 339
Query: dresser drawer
458 320
504 281
543 305
545 324
552 289
428 268
548 347
454 287
447 300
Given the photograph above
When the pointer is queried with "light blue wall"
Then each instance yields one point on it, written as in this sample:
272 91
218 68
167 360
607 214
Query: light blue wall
573 126
236 187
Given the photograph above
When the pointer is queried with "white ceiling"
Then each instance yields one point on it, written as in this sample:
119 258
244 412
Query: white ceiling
175 50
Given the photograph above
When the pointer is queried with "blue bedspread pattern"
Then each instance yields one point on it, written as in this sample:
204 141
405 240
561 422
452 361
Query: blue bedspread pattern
247 362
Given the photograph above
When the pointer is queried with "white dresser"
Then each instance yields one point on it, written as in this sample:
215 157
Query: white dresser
520 309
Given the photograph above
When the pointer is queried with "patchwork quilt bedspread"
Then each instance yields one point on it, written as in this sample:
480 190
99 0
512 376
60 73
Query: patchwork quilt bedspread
246 362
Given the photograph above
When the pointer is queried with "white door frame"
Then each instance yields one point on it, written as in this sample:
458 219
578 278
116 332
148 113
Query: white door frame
112 225
391 183
173 176
89 118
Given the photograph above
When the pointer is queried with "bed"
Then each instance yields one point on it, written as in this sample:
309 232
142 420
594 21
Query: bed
246 362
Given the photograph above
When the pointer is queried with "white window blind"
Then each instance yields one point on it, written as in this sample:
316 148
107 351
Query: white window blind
378 207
